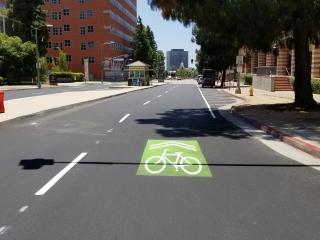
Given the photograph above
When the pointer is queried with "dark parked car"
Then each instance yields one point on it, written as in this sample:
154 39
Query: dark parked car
209 78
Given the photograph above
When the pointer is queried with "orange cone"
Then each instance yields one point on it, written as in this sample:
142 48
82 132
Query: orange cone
2 110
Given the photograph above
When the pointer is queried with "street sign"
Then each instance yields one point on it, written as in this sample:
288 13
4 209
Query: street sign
173 158
239 60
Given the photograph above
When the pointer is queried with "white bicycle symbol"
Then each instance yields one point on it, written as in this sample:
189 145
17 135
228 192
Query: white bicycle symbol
157 164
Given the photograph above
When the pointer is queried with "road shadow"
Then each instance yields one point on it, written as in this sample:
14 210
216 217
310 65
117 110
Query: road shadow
185 123
35 164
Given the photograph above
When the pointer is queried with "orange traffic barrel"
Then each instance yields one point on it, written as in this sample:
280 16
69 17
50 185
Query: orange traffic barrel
2 102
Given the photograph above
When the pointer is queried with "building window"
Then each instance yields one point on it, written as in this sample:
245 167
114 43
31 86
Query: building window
67 43
82 14
92 60
66 28
90 29
49 59
83 46
82 1
55 31
82 30
66 12
54 15
68 58
90 13
91 44
49 45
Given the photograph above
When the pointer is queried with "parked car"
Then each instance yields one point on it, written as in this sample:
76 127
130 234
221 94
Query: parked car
200 80
209 78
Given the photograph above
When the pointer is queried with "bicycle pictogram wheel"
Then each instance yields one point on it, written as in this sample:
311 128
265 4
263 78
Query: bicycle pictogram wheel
191 165
155 164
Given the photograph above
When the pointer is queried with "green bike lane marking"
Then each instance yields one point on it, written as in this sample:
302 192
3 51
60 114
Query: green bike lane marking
173 158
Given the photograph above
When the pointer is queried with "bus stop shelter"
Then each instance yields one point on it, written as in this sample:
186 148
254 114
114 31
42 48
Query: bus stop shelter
138 74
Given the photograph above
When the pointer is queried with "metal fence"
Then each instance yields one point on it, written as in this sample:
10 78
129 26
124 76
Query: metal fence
11 27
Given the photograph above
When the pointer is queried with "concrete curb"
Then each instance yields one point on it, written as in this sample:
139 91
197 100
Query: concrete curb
287 138
57 109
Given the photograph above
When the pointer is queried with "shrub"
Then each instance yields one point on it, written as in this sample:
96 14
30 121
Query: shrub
248 79
315 84
1 81
72 76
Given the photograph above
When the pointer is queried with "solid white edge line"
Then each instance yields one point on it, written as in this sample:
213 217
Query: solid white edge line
23 209
124 118
54 180
205 100
146 103
159 96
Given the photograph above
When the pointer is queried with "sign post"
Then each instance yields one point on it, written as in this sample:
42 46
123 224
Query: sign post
86 69
239 61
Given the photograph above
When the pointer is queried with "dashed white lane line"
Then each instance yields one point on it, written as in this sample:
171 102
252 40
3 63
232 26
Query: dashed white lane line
3 230
34 124
159 96
166 92
124 118
205 100
54 180
23 209
146 103
110 130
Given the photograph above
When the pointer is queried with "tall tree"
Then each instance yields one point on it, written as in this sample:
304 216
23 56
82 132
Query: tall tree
160 64
30 13
154 47
257 24
141 44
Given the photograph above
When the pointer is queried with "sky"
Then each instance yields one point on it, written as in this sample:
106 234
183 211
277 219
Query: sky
168 34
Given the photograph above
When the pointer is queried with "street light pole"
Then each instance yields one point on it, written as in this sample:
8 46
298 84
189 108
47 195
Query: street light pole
38 57
38 65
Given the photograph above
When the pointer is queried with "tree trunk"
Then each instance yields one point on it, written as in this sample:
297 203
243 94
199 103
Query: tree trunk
302 83
223 80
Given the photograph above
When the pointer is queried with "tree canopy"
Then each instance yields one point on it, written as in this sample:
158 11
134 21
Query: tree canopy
31 14
257 24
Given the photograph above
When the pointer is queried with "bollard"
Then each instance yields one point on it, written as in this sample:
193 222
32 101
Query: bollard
1 102
251 91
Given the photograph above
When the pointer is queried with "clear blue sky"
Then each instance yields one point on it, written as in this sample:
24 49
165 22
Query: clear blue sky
168 34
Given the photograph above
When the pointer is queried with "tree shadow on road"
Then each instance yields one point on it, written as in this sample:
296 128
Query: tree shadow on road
185 123
38 163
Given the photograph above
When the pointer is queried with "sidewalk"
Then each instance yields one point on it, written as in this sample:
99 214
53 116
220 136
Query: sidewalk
269 111
19 108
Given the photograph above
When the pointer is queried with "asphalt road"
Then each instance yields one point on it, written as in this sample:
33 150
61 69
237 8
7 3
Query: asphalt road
254 193
16 94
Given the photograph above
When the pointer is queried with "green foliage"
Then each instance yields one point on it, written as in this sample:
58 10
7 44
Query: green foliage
143 51
31 14
1 81
17 59
315 83
62 61
72 76
160 65
248 79
257 25
187 73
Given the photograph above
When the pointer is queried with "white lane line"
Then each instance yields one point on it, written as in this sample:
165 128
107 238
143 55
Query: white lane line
54 180
166 92
23 209
146 103
124 118
205 100
34 124
97 142
3 230
159 96
110 130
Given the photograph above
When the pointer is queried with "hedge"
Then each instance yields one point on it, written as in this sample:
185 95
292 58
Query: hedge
248 79
78 77
315 86
1 81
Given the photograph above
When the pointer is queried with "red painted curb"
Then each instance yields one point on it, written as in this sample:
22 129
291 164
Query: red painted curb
294 141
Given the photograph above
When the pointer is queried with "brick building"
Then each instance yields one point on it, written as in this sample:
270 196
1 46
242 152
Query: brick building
279 66
100 30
